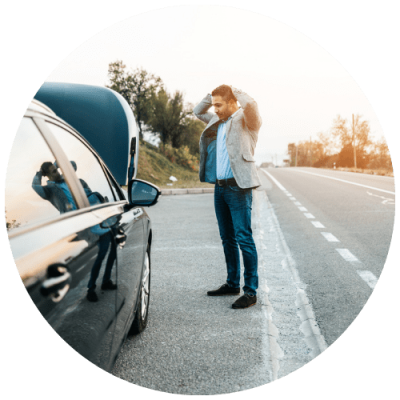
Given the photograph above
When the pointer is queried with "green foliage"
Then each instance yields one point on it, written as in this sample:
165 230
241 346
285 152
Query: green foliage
155 167
180 156
166 116
192 131
137 88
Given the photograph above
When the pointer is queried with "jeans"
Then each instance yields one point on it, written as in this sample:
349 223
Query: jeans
233 211
103 244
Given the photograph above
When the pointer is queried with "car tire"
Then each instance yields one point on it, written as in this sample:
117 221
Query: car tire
142 311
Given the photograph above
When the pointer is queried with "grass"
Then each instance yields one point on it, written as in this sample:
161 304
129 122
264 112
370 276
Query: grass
154 167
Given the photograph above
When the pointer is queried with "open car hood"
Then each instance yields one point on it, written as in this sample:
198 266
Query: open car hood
103 117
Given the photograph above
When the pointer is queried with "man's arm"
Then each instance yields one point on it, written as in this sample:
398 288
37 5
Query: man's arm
250 109
37 185
201 110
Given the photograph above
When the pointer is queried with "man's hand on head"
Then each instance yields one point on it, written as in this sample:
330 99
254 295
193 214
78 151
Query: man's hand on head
233 90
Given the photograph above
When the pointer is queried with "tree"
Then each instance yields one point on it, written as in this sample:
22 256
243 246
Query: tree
168 117
340 131
292 154
137 88
352 140
379 156
193 128
327 143
308 153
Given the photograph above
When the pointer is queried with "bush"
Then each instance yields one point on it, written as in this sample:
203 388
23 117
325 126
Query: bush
180 156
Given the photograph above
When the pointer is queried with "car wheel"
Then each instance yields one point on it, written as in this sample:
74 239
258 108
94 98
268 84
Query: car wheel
142 311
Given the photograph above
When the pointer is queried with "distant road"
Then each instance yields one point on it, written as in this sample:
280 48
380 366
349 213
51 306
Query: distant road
338 226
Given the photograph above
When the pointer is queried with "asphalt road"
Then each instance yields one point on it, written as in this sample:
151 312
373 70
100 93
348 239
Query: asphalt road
359 217
193 344
322 244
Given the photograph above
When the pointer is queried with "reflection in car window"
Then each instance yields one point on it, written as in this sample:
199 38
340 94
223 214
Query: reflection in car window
35 189
116 190
87 167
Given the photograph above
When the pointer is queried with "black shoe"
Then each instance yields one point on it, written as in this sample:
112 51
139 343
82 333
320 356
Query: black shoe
92 296
224 290
245 301
109 285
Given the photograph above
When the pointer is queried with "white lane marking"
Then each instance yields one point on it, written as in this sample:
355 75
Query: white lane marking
303 209
297 203
385 199
347 255
280 186
329 237
342 180
309 326
292 198
289 194
368 277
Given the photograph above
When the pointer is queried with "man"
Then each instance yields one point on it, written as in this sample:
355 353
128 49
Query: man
56 190
226 158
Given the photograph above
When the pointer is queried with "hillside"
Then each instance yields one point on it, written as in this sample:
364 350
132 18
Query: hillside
156 168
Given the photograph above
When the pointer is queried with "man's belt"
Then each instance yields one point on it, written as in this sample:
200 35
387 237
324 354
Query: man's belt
226 182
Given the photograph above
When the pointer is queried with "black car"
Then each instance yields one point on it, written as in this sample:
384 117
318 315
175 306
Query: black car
81 242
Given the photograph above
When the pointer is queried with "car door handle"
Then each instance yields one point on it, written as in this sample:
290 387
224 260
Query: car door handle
57 282
120 238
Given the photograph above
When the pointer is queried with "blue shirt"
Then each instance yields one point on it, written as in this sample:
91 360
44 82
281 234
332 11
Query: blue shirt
67 193
217 154
224 170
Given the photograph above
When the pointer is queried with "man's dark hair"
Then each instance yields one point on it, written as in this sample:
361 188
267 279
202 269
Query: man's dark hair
225 92
45 167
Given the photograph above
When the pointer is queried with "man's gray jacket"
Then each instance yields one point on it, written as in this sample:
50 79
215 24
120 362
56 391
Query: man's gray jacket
241 138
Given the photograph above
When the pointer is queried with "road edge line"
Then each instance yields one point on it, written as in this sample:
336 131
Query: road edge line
275 353
309 326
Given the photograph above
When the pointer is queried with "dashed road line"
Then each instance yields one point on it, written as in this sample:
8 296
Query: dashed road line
385 199
309 215
368 277
348 255
329 237
317 224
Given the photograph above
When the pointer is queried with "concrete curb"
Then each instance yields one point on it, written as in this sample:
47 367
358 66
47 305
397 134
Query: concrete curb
169 192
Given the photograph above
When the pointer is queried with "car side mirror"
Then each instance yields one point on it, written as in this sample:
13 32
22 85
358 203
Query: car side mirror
142 193
110 222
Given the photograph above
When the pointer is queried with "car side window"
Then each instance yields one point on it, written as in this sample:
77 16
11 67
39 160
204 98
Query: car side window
116 189
35 189
86 165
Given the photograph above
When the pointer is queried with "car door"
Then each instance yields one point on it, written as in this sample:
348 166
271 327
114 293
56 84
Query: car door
125 225
54 237
131 248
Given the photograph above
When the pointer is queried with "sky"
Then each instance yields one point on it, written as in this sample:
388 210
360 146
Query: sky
299 87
